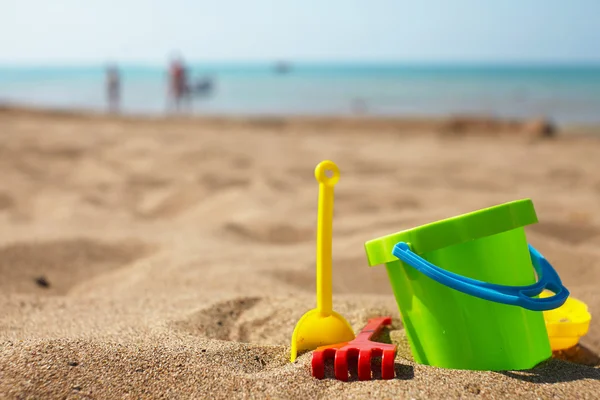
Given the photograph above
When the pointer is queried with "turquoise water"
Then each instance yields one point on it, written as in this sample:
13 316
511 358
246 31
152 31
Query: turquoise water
565 94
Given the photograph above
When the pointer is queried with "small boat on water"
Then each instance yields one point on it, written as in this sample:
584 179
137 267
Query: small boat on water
282 67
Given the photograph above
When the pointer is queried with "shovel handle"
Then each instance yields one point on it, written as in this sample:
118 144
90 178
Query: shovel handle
327 174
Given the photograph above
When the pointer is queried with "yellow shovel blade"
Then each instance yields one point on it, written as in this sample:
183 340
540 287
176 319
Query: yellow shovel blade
314 330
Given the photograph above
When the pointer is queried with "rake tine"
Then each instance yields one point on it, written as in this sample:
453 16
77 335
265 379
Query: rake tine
341 365
318 364
387 364
364 364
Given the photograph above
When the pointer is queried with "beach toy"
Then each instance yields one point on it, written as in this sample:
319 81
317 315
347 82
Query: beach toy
322 325
566 324
361 348
467 291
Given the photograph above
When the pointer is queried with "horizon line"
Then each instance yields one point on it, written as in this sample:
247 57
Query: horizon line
306 62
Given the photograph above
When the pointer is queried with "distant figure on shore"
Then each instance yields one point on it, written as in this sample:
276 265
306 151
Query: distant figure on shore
182 89
113 88
178 83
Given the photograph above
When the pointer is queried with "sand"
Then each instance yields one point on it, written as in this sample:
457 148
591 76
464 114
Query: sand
171 258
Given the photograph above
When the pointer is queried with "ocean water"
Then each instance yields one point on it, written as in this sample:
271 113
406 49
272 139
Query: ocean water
567 94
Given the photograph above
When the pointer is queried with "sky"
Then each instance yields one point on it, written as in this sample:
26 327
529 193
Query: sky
64 32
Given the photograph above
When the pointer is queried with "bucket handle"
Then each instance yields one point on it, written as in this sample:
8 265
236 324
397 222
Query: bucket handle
513 295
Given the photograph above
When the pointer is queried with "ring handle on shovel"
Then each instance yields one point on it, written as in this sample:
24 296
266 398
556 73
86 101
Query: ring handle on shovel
513 295
321 173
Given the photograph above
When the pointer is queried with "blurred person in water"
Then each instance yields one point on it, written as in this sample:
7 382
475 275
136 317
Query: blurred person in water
178 83
113 88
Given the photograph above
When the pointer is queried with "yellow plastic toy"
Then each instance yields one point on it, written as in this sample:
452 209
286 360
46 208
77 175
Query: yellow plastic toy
322 326
566 324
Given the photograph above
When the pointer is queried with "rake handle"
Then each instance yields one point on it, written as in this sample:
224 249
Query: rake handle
373 327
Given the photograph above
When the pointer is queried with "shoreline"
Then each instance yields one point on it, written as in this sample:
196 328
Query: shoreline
457 124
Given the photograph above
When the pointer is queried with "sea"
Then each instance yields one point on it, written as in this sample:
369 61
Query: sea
564 94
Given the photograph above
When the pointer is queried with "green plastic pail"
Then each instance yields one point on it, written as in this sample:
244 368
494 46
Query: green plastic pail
450 328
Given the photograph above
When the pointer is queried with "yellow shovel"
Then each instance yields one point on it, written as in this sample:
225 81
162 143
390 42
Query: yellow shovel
322 326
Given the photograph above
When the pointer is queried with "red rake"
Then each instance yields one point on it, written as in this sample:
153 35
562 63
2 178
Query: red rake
361 347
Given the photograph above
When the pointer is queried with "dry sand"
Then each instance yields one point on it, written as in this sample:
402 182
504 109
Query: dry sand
172 257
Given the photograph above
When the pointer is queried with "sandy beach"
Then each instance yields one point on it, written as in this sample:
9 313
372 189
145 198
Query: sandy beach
172 257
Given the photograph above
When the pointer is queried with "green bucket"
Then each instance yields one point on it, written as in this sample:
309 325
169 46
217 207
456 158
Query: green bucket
467 291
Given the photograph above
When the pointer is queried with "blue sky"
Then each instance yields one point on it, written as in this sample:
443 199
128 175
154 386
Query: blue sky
147 31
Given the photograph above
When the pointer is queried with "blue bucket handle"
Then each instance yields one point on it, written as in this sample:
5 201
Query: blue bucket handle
513 295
